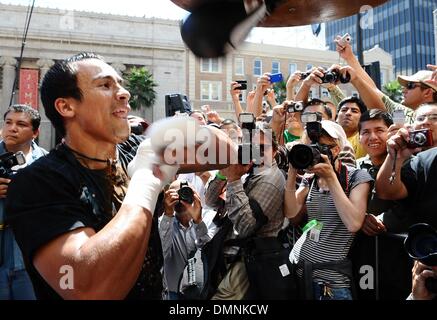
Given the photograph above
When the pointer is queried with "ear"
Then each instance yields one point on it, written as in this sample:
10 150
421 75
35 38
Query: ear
35 134
65 107
428 93
335 151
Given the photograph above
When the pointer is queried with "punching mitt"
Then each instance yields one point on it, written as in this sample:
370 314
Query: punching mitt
215 27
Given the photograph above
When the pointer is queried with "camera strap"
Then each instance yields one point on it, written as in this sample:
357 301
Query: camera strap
343 177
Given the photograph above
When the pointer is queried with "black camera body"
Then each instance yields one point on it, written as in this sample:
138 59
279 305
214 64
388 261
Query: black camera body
420 138
303 156
421 244
185 193
294 107
243 84
9 160
330 76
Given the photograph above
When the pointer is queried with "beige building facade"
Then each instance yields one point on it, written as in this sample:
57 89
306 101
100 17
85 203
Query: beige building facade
210 79
125 42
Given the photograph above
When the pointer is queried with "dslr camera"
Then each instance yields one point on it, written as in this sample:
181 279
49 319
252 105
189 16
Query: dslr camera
420 139
185 193
303 156
9 160
330 76
421 244
294 107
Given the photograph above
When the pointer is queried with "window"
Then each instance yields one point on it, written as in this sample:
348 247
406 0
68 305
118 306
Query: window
239 66
210 65
292 67
276 67
257 67
309 67
210 90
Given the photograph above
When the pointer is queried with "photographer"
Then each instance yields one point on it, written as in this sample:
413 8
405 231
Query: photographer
414 182
286 121
264 186
335 196
183 228
19 131
421 272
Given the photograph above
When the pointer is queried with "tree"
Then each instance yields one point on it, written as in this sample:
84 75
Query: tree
280 89
393 89
141 84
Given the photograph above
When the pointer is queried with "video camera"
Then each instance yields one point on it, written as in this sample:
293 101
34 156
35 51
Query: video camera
9 160
421 244
330 76
247 152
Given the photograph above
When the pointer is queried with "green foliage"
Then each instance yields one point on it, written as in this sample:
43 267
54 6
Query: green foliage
280 89
393 89
141 84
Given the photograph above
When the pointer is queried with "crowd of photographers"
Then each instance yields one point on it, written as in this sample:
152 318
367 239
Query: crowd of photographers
317 206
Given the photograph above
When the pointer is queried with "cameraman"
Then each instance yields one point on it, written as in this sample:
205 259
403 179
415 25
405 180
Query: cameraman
264 185
20 129
183 228
421 272
415 181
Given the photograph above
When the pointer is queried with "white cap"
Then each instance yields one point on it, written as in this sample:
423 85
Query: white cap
335 131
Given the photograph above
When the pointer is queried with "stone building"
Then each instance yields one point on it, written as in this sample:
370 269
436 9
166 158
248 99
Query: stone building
123 41
126 41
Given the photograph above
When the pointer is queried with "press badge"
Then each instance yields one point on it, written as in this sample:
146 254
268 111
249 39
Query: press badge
315 231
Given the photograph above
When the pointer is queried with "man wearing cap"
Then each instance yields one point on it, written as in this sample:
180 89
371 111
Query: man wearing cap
417 88
336 200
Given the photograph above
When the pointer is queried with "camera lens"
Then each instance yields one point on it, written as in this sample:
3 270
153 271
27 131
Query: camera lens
329 77
419 139
303 156
421 244
186 194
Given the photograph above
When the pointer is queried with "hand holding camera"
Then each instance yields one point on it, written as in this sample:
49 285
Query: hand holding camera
344 47
421 245
408 142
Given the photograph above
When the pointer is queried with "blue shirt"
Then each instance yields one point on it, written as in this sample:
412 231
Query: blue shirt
12 257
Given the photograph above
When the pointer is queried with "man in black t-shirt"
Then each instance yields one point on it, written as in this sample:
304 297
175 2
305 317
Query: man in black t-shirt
83 233
415 181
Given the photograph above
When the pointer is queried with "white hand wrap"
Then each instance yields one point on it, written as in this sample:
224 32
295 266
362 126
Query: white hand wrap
144 187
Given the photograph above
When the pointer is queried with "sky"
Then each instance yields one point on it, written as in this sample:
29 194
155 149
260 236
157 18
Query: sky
293 37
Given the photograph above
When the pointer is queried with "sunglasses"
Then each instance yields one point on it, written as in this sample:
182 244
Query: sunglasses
413 85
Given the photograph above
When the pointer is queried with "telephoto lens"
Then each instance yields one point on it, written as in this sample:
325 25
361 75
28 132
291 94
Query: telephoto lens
302 156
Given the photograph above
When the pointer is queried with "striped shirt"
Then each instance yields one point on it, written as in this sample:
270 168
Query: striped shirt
334 240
